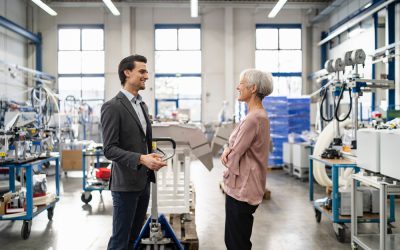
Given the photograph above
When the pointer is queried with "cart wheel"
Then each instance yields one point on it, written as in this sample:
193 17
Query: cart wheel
50 213
389 230
86 197
26 229
354 246
318 215
341 235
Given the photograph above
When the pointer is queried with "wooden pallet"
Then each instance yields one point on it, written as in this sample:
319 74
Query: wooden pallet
185 230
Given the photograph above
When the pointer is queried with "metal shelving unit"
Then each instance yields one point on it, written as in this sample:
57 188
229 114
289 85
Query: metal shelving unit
381 241
30 212
334 215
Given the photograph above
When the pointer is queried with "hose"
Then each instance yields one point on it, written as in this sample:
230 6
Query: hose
321 110
338 104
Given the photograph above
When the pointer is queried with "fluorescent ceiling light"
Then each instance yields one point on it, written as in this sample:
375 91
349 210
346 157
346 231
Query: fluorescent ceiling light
367 5
277 8
111 7
45 7
194 8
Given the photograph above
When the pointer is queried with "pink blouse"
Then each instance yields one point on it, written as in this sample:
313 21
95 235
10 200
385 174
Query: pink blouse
245 175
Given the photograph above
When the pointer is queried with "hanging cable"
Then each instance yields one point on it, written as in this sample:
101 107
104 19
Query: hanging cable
321 109
338 104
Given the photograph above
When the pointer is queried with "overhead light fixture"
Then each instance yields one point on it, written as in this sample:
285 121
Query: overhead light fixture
194 8
111 7
45 7
367 5
277 8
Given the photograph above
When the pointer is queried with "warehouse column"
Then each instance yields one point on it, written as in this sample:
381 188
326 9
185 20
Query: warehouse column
126 31
229 57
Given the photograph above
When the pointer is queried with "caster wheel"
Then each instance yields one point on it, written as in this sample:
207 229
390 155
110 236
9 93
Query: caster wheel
389 230
86 197
318 216
26 229
50 213
354 246
341 235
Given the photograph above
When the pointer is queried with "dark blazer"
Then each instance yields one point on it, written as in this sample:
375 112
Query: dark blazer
124 141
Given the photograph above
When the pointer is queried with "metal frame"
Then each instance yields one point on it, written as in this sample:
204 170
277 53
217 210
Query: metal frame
357 19
35 38
374 241
30 214
97 154
391 33
335 217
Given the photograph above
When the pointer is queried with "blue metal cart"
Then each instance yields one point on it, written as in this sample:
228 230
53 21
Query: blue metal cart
30 213
86 196
338 220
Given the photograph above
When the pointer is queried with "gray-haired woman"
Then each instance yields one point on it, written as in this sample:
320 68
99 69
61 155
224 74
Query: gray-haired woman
246 158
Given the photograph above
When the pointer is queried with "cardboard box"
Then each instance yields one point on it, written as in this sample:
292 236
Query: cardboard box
71 160
5 199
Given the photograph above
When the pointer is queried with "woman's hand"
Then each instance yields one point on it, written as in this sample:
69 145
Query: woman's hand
224 156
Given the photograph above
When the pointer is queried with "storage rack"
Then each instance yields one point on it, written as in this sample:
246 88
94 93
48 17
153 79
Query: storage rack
30 213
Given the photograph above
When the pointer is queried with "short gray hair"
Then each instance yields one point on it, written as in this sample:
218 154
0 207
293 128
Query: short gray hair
262 80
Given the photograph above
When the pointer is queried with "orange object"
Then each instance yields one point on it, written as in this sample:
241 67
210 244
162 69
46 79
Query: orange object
346 148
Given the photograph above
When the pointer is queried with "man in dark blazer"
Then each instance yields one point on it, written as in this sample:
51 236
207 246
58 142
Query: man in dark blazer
128 144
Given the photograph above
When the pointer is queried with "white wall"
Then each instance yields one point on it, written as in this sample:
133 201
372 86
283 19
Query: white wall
228 43
347 8
13 50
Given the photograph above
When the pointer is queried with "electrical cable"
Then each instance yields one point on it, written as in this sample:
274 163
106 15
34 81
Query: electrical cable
321 109
338 104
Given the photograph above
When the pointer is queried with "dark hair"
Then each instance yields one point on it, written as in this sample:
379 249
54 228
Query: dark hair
129 63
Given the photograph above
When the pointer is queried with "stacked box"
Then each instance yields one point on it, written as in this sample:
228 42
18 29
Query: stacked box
298 114
277 109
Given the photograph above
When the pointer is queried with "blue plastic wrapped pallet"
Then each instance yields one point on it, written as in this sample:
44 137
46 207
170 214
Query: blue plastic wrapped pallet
299 114
277 109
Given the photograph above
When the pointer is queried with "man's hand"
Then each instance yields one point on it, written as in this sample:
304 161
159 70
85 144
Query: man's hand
224 156
152 161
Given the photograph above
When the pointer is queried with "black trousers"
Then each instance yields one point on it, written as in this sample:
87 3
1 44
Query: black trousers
238 224
129 211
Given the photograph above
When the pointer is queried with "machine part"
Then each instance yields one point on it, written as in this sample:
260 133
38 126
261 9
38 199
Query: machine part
157 227
339 65
324 140
390 143
26 229
50 212
321 109
86 197
340 232
368 152
338 104
187 136
358 56
318 215
329 66
221 137
331 153
354 57
12 123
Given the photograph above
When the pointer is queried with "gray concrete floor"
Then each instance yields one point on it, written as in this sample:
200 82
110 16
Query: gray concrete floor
284 222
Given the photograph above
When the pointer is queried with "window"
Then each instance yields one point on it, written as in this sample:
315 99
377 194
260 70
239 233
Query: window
278 50
178 70
81 63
